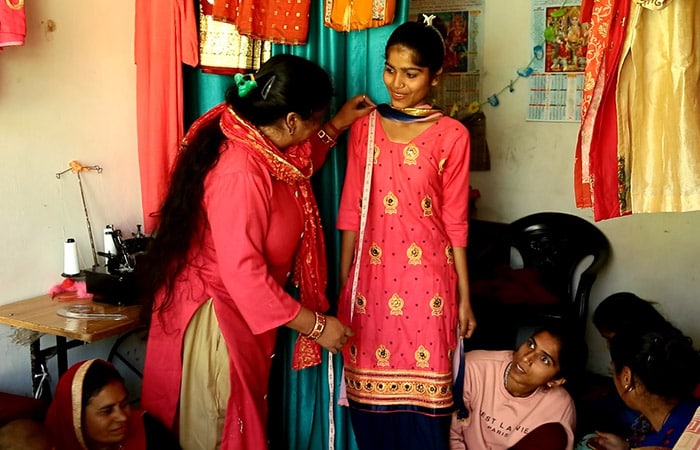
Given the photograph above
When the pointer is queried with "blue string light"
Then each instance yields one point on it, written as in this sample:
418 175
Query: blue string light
522 72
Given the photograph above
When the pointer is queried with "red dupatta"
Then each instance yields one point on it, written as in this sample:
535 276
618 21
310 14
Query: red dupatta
292 167
64 417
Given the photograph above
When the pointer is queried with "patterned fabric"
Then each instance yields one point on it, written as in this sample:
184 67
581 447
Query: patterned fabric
595 179
278 21
672 428
222 50
351 15
640 132
405 313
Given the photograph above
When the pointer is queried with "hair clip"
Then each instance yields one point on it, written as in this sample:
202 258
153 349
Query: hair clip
245 83
268 85
428 19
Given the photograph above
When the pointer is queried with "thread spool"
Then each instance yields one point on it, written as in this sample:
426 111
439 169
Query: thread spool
109 243
70 258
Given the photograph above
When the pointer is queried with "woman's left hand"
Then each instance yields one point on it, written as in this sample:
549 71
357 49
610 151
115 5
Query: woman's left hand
356 107
607 441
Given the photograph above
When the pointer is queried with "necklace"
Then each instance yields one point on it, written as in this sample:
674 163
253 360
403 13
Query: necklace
409 114
505 376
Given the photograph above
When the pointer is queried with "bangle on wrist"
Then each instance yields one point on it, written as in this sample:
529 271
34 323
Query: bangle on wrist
333 129
319 326
325 137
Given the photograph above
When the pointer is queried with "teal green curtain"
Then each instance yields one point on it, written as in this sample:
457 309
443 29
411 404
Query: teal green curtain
299 400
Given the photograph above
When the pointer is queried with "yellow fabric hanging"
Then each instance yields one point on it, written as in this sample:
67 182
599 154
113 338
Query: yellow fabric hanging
352 15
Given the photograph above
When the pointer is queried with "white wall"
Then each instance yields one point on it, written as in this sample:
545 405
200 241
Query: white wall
67 94
654 255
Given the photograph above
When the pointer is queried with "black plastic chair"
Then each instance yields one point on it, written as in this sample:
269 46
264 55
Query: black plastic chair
538 268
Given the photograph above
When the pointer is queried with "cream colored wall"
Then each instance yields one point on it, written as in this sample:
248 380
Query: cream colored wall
67 94
654 255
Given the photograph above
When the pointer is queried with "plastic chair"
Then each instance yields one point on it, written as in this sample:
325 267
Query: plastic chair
540 267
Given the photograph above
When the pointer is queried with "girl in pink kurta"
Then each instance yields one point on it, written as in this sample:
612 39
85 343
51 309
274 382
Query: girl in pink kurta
412 283
239 222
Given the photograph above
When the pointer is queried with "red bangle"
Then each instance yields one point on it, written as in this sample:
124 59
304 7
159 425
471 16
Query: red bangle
333 129
319 326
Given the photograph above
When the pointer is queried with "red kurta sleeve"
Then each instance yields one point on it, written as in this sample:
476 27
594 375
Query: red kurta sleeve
349 209
455 187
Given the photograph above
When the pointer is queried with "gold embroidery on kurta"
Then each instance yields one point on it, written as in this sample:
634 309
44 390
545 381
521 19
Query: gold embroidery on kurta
422 356
654 5
450 254
422 388
410 154
437 304
375 254
391 202
376 154
414 254
360 304
353 353
383 355
396 305
427 206
441 165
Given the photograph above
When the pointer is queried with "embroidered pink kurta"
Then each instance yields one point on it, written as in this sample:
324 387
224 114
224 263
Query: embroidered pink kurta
405 314
253 228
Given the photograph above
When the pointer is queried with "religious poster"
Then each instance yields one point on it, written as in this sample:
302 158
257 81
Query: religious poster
556 82
460 23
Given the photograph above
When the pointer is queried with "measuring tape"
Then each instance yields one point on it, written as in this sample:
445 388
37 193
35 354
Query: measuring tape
363 223
365 206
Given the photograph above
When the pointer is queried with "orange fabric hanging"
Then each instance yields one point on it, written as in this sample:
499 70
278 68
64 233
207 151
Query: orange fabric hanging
165 38
282 22
351 15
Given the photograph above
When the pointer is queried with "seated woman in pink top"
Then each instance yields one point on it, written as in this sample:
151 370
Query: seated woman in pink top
510 394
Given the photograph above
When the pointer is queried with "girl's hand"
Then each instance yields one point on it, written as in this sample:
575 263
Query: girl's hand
467 320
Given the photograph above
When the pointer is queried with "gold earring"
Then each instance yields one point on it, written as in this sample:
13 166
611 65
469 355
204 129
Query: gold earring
629 388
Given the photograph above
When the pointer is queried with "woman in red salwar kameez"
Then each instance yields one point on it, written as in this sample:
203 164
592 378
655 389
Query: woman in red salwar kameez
238 224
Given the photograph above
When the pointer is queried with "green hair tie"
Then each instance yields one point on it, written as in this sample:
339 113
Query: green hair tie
245 83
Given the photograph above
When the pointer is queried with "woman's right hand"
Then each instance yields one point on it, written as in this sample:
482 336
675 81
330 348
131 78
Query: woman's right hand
335 335
354 108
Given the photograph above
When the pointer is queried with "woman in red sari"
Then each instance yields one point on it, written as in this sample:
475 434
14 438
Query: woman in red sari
90 411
